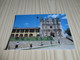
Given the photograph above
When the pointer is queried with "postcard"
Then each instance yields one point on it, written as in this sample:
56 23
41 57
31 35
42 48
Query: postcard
40 32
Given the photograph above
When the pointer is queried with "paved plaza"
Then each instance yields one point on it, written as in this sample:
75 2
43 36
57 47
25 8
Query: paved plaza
24 45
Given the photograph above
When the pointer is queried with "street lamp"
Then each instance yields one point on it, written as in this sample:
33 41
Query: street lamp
37 27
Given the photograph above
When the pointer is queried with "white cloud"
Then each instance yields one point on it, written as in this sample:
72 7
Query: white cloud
64 17
45 17
26 24
39 26
53 15
66 24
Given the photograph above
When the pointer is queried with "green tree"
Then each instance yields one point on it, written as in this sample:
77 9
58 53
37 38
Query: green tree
68 32
16 27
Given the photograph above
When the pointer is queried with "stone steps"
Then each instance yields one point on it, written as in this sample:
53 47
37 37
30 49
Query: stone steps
64 40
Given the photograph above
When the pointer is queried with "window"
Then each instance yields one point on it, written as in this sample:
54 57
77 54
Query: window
26 30
37 30
31 30
50 26
22 30
13 31
17 31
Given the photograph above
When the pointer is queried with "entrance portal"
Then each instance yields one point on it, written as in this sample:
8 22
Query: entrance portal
52 34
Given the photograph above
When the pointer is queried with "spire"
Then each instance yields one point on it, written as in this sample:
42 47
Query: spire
41 19
57 19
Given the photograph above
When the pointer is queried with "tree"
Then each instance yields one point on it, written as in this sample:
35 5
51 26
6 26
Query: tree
68 32
16 27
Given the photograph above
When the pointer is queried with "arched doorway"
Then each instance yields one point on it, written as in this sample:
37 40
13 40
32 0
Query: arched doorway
52 34
16 35
30 35
21 35
26 35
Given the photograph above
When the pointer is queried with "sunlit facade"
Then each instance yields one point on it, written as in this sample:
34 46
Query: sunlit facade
51 27
25 32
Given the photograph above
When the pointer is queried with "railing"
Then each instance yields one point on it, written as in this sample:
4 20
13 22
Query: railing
70 38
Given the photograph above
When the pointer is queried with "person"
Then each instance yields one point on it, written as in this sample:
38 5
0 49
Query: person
58 41
16 46
30 44
41 43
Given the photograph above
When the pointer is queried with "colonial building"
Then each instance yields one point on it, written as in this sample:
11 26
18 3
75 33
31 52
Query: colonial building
51 27
25 32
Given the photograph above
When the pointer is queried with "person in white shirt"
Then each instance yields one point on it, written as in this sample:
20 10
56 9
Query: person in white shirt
17 44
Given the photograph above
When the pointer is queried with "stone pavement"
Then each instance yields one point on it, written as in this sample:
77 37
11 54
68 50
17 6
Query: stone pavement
64 40
25 44
60 47
49 47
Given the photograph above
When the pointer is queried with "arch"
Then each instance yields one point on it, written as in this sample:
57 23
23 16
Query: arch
38 35
52 34
50 26
30 35
16 35
21 35
26 35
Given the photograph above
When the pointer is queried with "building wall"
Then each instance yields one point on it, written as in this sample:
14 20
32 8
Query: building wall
18 34
51 25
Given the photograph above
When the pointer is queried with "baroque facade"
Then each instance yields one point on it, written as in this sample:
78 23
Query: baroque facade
51 27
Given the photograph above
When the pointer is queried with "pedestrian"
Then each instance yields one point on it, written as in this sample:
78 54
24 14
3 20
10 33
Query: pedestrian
58 41
16 46
30 44
41 43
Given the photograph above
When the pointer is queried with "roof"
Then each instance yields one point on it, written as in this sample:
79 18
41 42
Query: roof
48 19
28 28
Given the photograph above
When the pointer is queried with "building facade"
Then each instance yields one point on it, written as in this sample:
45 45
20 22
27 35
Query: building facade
25 32
51 27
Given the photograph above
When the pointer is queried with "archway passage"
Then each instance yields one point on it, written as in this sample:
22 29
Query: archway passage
52 34
30 35
21 35
16 35
26 35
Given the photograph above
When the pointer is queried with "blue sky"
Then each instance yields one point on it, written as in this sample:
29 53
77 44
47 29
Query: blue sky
25 21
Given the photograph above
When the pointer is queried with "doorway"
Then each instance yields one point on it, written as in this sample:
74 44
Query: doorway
52 34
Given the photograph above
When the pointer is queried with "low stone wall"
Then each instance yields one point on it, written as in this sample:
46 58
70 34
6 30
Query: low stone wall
23 44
